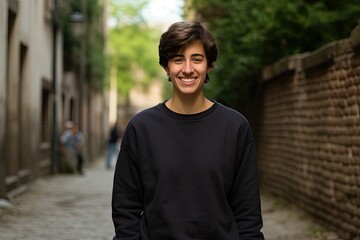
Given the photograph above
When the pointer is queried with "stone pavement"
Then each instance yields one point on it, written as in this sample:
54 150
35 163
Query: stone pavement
286 222
74 207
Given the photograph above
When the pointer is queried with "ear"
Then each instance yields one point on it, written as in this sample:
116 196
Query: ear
166 70
208 69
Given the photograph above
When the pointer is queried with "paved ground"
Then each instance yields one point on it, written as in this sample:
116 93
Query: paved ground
286 222
73 207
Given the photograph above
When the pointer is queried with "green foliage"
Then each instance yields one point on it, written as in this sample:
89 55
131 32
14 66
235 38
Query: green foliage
97 61
167 89
95 45
125 12
132 46
252 34
93 39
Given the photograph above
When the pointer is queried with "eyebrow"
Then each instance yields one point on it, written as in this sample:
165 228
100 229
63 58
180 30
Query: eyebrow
192 55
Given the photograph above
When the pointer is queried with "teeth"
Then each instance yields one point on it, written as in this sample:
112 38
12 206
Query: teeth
187 79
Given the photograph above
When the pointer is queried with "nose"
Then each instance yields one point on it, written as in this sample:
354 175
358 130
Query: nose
188 68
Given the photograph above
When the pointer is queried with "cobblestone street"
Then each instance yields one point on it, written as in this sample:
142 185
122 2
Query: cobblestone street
63 207
73 207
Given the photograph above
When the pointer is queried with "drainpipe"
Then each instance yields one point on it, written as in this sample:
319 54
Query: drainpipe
54 134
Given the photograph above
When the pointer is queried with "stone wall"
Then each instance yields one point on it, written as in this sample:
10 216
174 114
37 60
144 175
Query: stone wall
307 128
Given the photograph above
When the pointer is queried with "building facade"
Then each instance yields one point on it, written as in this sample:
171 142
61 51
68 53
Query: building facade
37 95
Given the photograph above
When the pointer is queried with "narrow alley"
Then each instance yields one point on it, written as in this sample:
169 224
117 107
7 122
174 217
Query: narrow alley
74 207
292 68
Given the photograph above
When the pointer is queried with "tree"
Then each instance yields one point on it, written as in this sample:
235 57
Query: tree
252 34
132 46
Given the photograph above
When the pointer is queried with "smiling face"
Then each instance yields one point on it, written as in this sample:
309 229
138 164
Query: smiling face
187 69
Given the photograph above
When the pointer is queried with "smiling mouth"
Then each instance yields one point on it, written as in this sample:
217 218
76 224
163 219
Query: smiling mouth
188 80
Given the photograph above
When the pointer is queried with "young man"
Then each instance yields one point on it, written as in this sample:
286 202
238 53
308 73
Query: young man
187 167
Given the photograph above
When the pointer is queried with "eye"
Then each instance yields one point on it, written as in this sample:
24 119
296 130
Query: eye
197 60
178 60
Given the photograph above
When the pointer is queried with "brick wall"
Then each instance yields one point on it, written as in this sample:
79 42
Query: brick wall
306 123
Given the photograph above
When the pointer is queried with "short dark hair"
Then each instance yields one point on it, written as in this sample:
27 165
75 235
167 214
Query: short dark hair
181 34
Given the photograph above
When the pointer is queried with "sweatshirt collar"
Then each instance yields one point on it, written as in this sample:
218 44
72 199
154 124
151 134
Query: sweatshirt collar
187 117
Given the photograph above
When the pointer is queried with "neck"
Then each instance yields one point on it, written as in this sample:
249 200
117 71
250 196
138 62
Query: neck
189 105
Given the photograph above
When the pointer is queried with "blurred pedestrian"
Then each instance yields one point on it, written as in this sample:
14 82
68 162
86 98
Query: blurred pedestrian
113 144
73 140
187 166
68 132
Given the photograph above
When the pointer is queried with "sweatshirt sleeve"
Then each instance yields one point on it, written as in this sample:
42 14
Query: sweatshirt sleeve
245 194
127 204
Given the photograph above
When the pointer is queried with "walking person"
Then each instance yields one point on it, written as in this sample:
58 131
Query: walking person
113 148
187 166
73 140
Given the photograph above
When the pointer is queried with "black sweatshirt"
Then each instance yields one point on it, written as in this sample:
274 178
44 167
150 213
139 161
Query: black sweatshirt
182 177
